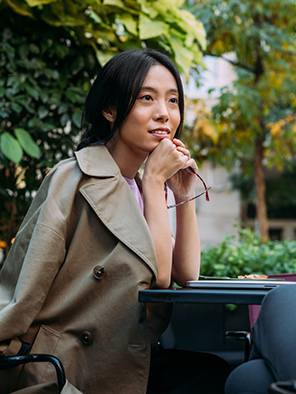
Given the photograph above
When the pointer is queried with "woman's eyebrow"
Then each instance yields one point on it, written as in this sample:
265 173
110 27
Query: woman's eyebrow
173 90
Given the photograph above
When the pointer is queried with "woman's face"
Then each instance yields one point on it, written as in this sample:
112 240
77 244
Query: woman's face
154 116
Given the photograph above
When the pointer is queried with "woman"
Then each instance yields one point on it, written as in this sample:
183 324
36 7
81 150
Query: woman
96 234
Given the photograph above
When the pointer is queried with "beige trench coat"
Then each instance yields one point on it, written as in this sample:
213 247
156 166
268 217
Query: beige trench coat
53 293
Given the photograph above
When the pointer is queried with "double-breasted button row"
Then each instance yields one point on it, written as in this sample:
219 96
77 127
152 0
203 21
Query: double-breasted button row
99 272
86 338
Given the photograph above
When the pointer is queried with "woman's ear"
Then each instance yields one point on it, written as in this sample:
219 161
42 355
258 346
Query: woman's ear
110 114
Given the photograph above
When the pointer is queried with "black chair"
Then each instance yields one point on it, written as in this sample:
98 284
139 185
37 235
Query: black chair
15 361
242 336
287 387
253 315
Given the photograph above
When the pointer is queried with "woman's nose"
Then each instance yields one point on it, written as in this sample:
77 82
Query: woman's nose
161 112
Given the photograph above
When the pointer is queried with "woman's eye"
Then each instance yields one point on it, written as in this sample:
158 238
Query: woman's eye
174 100
146 97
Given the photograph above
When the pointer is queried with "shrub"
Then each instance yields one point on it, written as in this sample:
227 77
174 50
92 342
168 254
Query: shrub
44 78
249 255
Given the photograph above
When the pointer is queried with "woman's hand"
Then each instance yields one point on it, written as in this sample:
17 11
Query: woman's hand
167 159
183 182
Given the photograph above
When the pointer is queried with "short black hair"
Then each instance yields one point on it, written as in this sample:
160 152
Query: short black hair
117 86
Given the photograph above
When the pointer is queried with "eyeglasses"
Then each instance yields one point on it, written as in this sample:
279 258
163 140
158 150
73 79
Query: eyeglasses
193 198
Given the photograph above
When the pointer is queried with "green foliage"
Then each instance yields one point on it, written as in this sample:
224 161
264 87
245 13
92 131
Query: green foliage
258 39
10 147
45 75
249 255
110 26
44 78
253 120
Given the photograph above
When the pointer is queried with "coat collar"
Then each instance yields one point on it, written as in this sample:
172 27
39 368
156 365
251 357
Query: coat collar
114 203
96 161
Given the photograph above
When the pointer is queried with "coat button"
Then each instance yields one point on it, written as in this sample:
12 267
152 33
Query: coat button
99 272
87 338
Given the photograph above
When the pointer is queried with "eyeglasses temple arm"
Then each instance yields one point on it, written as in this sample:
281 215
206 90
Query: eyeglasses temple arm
203 182
190 199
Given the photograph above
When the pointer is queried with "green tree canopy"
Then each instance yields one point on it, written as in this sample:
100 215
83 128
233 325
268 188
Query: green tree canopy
110 26
253 121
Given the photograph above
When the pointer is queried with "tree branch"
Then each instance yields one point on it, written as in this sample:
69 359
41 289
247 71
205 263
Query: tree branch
238 64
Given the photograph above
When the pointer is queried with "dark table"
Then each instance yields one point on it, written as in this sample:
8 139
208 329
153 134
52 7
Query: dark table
205 296
194 327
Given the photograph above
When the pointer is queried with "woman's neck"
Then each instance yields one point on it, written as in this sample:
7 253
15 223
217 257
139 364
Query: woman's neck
128 164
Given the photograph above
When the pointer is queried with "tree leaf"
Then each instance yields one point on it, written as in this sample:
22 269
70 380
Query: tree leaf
183 56
27 143
22 9
151 10
63 108
10 147
4 114
104 56
34 48
34 3
42 112
64 119
24 50
94 16
193 28
16 107
129 23
9 50
32 92
149 28
76 118
116 3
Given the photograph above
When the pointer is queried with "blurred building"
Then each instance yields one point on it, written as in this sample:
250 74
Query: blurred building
221 215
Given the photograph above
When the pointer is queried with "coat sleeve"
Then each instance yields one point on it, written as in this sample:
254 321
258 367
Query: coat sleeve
32 264
24 287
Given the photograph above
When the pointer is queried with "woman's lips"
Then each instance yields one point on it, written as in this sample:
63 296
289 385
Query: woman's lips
160 133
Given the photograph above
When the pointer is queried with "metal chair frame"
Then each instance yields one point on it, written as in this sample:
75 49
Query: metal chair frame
15 361
286 387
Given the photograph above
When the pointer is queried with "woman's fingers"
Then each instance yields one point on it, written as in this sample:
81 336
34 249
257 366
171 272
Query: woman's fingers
181 147
169 157
178 142
183 150
166 159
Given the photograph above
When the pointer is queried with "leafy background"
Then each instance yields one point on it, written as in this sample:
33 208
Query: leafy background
43 82
248 255
49 53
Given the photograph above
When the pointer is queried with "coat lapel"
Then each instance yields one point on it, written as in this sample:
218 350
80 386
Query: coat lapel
114 203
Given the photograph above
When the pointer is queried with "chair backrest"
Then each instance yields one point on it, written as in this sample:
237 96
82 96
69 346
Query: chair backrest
255 309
